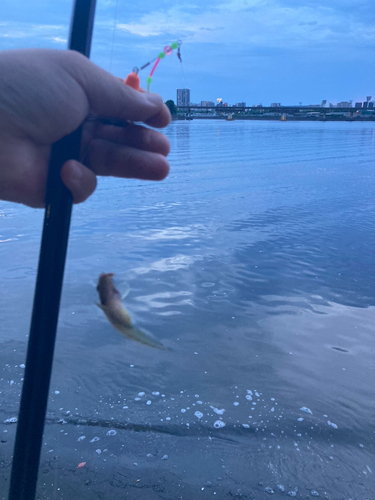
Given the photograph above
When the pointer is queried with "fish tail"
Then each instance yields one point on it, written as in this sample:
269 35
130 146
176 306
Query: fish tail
145 339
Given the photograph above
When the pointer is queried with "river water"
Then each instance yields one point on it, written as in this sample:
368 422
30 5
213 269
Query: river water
254 263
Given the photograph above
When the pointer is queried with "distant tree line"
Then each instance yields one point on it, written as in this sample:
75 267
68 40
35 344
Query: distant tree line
172 107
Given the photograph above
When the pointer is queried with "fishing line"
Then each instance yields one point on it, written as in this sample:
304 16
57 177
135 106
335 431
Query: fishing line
133 79
113 35
178 24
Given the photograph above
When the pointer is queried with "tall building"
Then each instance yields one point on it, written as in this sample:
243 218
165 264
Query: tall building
183 97
344 104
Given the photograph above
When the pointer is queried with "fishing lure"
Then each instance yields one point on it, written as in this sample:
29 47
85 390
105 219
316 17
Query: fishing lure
133 79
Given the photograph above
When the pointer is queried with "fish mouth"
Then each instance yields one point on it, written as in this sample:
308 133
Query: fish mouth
102 278
106 275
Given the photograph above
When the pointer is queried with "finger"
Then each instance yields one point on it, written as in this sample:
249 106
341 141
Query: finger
80 180
109 96
107 158
135 136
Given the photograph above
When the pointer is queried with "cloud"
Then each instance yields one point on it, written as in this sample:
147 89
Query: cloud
59 39
248 46
267 23
348 10
41 32
246 23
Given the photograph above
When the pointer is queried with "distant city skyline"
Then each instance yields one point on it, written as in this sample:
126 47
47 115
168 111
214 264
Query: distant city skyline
183 99
263 51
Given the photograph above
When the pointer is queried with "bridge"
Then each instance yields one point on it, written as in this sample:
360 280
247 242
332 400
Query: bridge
260 110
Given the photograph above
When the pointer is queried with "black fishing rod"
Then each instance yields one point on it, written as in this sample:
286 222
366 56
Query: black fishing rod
49 280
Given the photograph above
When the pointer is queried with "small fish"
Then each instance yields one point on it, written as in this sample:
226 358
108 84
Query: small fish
111 304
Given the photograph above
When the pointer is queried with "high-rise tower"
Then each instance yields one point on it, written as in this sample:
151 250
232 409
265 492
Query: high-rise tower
183 97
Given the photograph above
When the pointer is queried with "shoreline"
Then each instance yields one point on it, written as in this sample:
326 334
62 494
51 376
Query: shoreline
277 118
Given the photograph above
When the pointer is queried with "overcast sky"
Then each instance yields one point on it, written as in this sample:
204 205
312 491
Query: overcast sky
257 51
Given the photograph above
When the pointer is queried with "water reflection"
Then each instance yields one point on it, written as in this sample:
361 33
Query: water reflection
182 138
258 275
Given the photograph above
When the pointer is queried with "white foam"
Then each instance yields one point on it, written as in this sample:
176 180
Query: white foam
217 411
11 420
219 424
306 410
269 490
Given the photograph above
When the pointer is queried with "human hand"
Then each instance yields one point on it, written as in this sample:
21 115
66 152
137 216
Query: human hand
44 96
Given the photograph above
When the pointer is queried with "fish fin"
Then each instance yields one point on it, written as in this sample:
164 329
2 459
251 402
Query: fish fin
124 289
120 319
140 336
151 340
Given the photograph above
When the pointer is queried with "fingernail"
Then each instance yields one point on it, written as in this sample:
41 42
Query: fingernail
154 99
